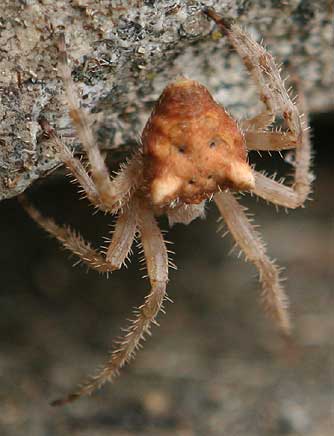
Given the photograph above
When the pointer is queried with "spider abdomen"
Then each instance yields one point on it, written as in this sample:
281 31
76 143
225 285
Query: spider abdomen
192 147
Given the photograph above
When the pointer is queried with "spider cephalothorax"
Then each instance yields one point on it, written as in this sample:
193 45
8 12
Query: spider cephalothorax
192 149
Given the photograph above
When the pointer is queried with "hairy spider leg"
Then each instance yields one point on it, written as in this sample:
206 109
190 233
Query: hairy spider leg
268 140
273 296
156 256
262 67
125 230
260 121
294 196
123 235
75 166
111 192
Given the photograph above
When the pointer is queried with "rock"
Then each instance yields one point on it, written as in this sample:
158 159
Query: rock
124 53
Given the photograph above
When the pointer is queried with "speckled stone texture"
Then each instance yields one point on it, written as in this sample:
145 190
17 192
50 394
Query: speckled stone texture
124 53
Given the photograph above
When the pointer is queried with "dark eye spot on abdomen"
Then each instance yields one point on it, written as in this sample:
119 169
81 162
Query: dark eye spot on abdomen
181 148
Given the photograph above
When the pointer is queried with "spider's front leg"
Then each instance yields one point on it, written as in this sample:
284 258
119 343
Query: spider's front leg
157 266
123 184
262 67
264 70
273 296
76 167
110 192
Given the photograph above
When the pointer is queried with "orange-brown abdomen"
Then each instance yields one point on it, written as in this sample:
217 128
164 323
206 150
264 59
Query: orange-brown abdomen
192 147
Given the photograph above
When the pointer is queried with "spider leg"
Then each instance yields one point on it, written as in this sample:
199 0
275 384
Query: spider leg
185 213
122 183
109 191
74 165
273 296
260 121
268 140
157 265
294 196
125 230
123 235
262 67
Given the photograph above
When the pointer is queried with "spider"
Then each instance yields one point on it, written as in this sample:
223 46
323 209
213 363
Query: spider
192 150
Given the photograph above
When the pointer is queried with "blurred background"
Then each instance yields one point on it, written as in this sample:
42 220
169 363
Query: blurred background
216 365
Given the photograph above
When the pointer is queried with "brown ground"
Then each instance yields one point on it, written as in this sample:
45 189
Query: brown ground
214 367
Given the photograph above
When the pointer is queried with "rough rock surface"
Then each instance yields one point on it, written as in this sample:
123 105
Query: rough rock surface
123 53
